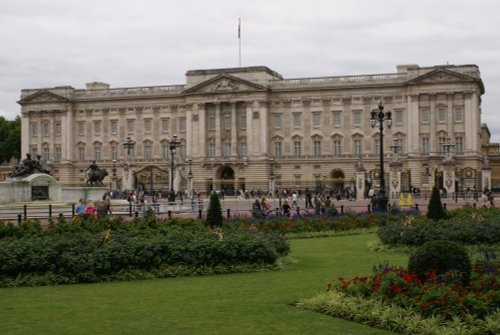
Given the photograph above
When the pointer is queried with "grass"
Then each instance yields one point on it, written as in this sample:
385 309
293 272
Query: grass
254 303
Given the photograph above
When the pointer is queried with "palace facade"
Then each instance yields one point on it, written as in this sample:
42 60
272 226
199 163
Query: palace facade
250 128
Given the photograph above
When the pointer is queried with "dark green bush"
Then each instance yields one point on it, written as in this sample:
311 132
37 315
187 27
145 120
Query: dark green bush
436 211
214 213
467 226
86 256
441 256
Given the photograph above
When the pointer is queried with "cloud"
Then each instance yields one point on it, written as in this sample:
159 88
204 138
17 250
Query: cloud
154 42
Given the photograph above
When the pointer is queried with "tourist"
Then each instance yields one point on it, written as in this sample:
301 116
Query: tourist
286 208
90 209
256 209
80 208
101 209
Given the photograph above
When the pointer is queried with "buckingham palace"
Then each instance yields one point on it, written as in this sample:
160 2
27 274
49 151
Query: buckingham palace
249 128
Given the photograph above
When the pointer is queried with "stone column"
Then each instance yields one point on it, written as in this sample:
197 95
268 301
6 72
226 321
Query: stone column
449 177
25 133
202 137
218 145
234 131
360 180
263 131
395 179
250 143
189 130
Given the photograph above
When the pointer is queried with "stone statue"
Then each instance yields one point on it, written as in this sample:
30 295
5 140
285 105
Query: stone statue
94 175
29 166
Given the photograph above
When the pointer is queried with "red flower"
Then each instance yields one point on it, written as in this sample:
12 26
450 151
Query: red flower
424 304
417 298
437 302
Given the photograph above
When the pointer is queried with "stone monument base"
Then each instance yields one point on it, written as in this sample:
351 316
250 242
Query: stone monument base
41 186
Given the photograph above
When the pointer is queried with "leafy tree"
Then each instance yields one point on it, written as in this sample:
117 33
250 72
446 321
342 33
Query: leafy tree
436 211
10 139
214 213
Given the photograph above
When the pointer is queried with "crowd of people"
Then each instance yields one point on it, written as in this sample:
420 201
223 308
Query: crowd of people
99 209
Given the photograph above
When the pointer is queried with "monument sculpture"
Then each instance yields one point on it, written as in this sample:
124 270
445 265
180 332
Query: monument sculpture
95 175
29 166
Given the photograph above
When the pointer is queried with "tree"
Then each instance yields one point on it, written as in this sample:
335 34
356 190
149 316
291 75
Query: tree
436 211
10 139
214 213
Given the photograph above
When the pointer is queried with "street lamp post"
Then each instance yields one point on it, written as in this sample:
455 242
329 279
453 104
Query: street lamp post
174 143
190 178
380 117
113 176
128 175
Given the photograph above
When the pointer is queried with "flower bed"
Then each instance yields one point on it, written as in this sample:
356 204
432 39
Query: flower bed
393 299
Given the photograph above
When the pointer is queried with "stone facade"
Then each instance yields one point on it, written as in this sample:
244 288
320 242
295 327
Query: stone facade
250 128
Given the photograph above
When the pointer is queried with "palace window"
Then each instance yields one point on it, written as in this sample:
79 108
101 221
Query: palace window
337 147
316 120
398 117
81 154
46 153
243 149
424 115
277 121
211 123
243 121
337 120
165 151
277 149
147 126
114 153
459 113
440 144
296 120
130 126
211 150
148 152
441 114
459 145
317 148
425 145
113 125
58 154
297 146
81 128
227 122
45 127
34 129
183 150
357 118
376 146
97 127
357 147
227 149
182 124
97 153
57 128
165 125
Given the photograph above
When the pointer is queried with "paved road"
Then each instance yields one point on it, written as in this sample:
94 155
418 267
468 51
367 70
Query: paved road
235 206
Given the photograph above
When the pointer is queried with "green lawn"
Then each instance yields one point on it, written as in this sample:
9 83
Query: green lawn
254 303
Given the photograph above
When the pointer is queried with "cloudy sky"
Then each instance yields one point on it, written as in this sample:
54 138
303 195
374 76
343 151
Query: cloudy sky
46 43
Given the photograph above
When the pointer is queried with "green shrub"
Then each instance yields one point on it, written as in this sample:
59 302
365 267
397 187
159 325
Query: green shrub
441 256
436 211
214 213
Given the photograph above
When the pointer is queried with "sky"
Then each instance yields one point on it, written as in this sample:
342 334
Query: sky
130 43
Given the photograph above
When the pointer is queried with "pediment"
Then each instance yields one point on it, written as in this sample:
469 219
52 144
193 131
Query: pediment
223 84
43 96
441 75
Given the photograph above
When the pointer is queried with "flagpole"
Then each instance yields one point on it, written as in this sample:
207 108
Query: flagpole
239 42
